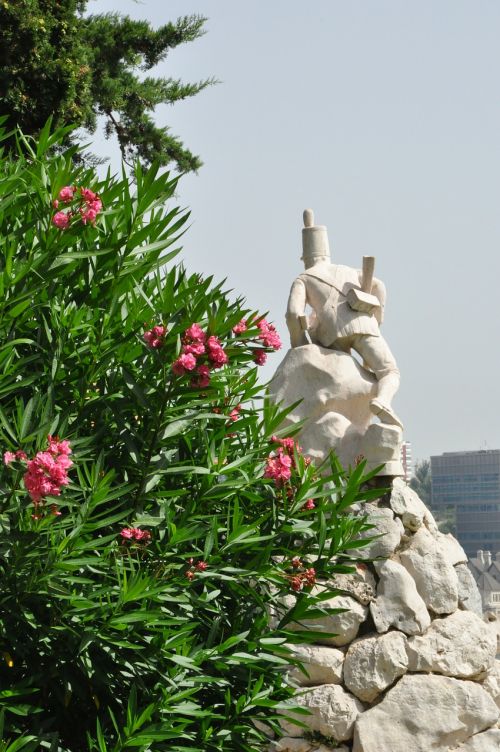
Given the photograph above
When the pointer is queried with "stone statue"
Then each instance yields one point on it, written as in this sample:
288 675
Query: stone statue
348 308
330 392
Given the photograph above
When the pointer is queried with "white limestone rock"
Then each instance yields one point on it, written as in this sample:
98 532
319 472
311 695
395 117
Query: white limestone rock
398 603
423 713
374 663
289 744
486 741
408 505
451 548
460 645
492 682
469 597
333 712
389 529
361 584
323 665
344 626
434 576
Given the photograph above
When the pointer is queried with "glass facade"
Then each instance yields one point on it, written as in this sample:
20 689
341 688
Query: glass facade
470 482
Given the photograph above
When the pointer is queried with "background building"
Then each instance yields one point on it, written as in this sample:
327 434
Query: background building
469 482
406 461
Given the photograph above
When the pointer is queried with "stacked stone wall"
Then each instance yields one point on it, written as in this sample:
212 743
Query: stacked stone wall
413 666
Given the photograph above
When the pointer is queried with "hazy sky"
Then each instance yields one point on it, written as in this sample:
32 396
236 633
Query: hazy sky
384 117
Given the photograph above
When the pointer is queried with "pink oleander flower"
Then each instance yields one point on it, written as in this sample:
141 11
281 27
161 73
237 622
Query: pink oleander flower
259 357
61 220
55 203
155 337
309 505
235 413
196 349
142 536
88 215
56 446
46 474
287 443
135 534
218 358
279 468
240 327
216 353
202 378
66 194
309 576
268 335
201 566
8 457
185 362
88 195
190 574
296 583
194 333
296 562
96 205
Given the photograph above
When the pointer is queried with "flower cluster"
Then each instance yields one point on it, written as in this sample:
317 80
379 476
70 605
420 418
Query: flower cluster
86 205
240 327
155 337
301 576
268 336
199 566
135 535
281 462
46 473
196 346
9 457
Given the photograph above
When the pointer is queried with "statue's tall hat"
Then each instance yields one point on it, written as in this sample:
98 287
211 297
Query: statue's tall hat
314 238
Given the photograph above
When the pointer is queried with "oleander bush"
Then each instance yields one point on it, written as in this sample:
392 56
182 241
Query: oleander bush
151 512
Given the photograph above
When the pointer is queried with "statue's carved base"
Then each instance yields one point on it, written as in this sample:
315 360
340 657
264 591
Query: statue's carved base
335 393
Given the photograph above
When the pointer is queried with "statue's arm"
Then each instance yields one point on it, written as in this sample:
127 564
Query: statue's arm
378 289
295 309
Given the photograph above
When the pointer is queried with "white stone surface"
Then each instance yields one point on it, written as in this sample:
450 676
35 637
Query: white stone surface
289 744
423 713
469 597
333 712
344 625
389 528
434 576
323 665
408 505
451 548
374 663
492 682
334 392
398 603
361 584
460 645
486 741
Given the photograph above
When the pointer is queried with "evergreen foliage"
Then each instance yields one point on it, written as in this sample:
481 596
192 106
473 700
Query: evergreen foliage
145 611
55 61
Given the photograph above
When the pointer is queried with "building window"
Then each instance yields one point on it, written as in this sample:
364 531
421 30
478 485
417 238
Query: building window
495 597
